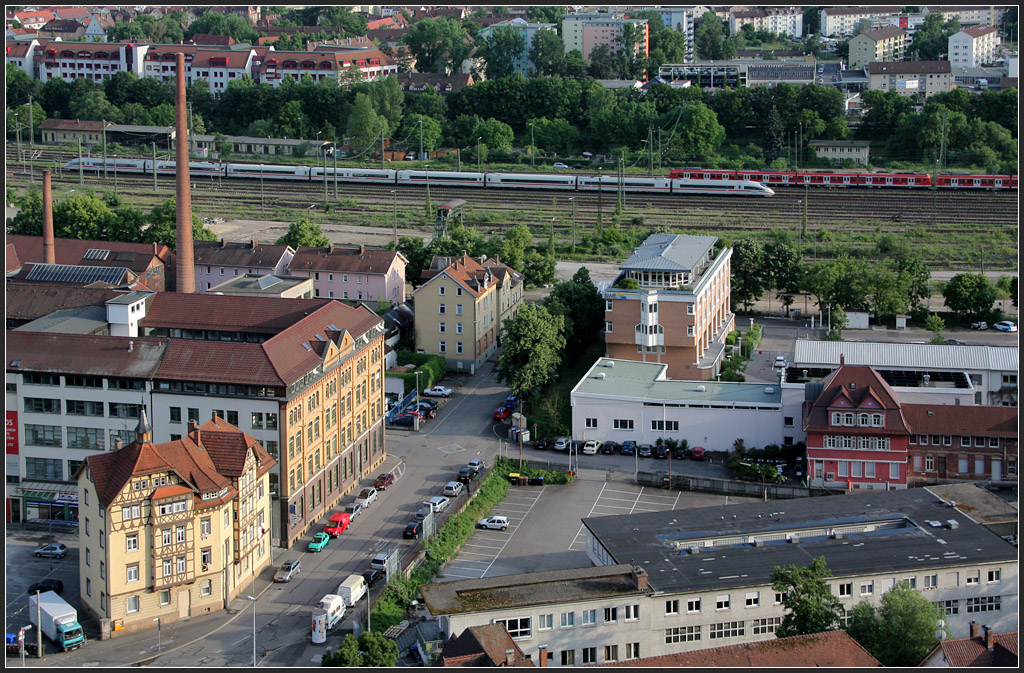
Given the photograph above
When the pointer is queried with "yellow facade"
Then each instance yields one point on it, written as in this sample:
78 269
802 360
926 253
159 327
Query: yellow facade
456 322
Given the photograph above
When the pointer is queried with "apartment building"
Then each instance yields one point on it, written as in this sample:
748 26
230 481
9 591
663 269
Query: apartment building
511 284
218 67
458 312
974 46
323 65
841 21
302 376
71 60
352 272
881 44
839 151
910 78
219 261
664 584
173 530
785 20
970 14
528 30
973 444
679 19
680 315
586 31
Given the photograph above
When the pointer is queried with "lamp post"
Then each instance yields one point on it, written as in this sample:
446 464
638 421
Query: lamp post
394 224
600 191
21 636
427 174
533 150
157 620
416 418
420 121
764 488
253 630
478 153
368 627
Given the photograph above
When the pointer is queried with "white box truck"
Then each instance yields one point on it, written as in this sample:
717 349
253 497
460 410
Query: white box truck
352 589
56 619
335 607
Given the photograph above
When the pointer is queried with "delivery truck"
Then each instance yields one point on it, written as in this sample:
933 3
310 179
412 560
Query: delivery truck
352 589
56 619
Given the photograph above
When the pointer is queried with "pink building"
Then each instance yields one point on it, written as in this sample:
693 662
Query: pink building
219 261
354 273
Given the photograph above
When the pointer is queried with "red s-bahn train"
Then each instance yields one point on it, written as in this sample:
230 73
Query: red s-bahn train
852 178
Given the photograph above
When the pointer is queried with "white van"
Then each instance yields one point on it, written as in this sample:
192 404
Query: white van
335 607
437 503
352 589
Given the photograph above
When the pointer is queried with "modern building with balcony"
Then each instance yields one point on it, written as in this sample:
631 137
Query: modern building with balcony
680 313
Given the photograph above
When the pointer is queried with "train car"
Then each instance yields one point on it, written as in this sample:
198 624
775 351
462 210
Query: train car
267 171
437 178
967 181
364 175
593 183
530 181
95 164
657 185
724 187
702 174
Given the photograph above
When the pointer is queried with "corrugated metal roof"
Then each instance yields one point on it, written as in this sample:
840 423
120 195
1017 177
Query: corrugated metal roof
668 252
874 354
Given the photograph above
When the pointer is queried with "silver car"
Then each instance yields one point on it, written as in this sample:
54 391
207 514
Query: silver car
52 550
287 569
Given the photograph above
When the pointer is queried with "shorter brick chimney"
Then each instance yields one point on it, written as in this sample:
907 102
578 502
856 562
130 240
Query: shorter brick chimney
990 638
975 629
193 431
640 578
49 250
510 657
362 250
543 656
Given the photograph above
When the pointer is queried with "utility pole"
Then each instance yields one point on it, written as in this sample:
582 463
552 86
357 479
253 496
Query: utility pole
81 168
382 148
478 153
942 147
263 208
154 168
334 154
600 192
533 149
659 149
394 222
650 151
325 178
572 200
30 124
420 157
17 135
191 134
104 123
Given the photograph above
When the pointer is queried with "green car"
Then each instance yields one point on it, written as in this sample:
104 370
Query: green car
319 541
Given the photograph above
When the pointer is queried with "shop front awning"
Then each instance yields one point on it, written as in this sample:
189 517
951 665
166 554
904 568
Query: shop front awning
46 492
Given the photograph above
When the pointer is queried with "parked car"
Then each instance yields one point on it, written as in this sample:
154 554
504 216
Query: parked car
644 451
353 509
559 164
48 584
590 447
404 421
697 453
371 576
428 405
453 488
52 550
561 444
661 452
1006 326
501 413
384 480
544 444
287 570
319 541
954 342
979 325
476 465
609 447
338 523
511 402
780 362
577 166
465 475
494 523
412 530
438 391
628 448
367 496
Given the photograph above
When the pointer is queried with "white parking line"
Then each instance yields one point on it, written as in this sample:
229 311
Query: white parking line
580 531
510 536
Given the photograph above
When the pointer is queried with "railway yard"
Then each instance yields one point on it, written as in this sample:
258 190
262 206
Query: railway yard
951 228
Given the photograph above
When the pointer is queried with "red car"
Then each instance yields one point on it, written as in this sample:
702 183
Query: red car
697 453
384 480
337 524
501 413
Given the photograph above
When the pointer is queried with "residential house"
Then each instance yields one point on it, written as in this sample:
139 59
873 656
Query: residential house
33 18
857 436
355 273
173 530
842 21
974 443
217 67
95 31
839 151
680 314
486 646
457 312
974 46
970 15
988 650
217 261
266 285
69 61
528 31
784 20
72 131
881 44
510 289
910 78
65 29
325 65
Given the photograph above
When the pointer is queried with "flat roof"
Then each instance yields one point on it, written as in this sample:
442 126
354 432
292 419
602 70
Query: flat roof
268 284
669 252
882 532
543 588
918 356
646 380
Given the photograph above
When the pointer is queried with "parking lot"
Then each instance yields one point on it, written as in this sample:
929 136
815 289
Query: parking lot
23 570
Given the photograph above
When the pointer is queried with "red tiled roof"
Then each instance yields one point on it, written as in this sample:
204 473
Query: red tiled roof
244 253
28 301
267 315
63 26
139 257
170 491
869 392
85 354
934 419
829 649
971 652
206 39
218 361
64 12
34 16
465 270
978 31
350 260
228 58
228 446
482 646
19 49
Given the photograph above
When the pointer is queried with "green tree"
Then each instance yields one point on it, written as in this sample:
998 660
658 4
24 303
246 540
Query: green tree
500 53
538 268
29 220
347 654
901 631
378 651
748 272
82 216
882 113
532 341
838 320
496 135
574 65
546 14
602 63
437 44
547 52
305 233
19 118
582 306
364 124
412 249
699 134
388 99
431 131
969 294
935 324
783 270
774 134
216 23
517 241
162 227
94 106
807 598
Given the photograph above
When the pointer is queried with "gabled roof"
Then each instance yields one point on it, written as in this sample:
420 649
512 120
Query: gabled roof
226 58
84 354
829 649
464 270
28 301
139 257
267 315
62 26
244 253
857 387
972 652
979 30
359 259
218 361
482 646
503 272
228 447
981 421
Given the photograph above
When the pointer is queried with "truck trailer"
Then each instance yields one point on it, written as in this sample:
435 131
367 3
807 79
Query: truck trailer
56 619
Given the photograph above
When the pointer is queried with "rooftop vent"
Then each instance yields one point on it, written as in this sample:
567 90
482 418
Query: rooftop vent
694 549
837 534
794 538
953 524
599 375
758 542
702 389
609 363
768 390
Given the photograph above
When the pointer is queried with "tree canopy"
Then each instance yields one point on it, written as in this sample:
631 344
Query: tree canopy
807 598
532 342
969 294
902 631
304 232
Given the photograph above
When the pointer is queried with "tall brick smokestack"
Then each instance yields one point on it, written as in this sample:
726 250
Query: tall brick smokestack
185 276
49 252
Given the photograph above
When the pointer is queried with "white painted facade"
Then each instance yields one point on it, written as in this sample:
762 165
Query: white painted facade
973 47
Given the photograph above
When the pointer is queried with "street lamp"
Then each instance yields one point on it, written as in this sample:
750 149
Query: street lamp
760 469
25 629
572 201
600 191
420 122
478 153
253 630
427 174
394 226
417 417
157 620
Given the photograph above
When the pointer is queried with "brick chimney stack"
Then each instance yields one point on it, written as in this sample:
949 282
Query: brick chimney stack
185 275
640 578
510 657
990 638
975 629
49 251
542 657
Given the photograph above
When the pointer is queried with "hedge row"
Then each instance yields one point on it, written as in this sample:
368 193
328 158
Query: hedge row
432 368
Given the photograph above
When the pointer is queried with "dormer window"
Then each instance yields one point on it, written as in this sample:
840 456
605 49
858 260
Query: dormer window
877 420
837 418
848 419
862 420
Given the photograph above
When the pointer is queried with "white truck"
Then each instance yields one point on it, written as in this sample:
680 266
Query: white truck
56 619
352 589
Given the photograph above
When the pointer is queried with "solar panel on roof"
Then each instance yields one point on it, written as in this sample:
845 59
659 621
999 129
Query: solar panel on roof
333 327
267 281
66 273
96 253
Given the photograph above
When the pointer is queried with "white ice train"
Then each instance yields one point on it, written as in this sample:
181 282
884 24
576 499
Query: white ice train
558 181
